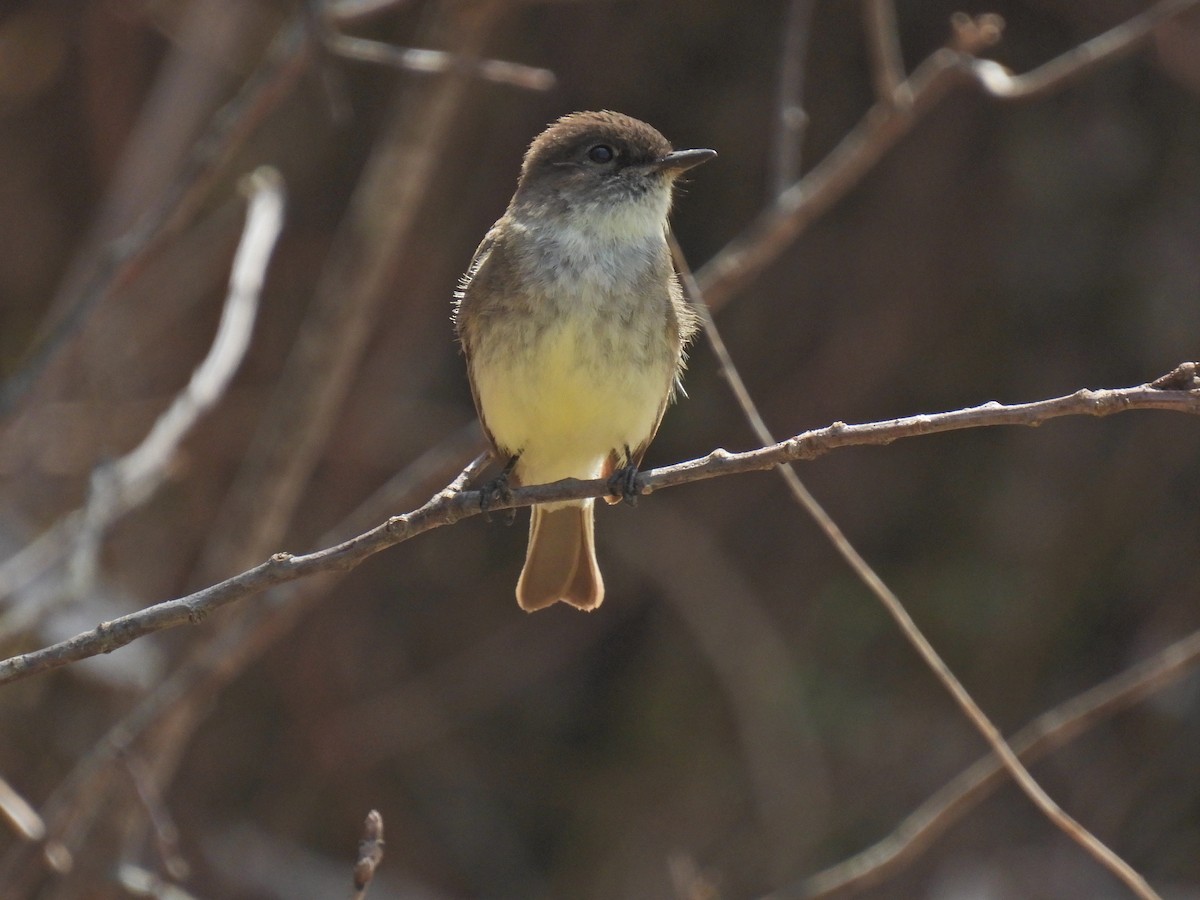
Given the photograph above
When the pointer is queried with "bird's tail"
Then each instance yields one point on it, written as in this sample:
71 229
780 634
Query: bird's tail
560 563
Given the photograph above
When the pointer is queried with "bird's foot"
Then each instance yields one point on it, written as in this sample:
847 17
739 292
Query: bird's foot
623 485
496 492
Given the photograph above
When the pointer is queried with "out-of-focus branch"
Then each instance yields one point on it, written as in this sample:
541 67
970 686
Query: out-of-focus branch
453 504
370 854
121 259
1069 67
132 479
140 882
974 34
285 62
790 118
166 832
128 482
718 605
349 297
19 814
1044 734
417 59
69 811
887 56
892 604
743 258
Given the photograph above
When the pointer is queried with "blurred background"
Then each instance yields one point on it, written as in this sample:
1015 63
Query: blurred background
741 713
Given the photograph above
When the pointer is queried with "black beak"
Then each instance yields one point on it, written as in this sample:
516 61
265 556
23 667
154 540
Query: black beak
682 160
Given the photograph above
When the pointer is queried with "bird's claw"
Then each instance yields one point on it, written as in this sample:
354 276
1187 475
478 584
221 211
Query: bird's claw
624 485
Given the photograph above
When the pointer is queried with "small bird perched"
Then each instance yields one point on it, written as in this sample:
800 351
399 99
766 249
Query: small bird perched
574 328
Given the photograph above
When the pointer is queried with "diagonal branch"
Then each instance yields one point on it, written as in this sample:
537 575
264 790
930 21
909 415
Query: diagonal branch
198 679
73 542
747 255
131 480
895 608
1077 62
1046 733
453 504
288 58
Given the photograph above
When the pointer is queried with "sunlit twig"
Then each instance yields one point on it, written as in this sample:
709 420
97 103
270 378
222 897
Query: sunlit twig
453 505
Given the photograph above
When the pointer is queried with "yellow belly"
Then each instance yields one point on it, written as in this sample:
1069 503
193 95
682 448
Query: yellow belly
563 406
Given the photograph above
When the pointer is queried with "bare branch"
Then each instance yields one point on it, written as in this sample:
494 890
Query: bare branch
895 608
790 119
166 833
201 676
743 258
426 61
1077 62
1046 733
120 260
887 57
370 854
348 299
20 815
132 479
453 504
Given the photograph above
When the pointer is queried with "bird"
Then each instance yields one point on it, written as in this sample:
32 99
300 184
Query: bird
575 330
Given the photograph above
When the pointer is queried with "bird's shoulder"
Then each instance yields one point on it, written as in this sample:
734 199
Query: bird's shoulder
491 279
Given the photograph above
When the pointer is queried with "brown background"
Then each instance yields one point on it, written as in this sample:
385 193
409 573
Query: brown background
740 701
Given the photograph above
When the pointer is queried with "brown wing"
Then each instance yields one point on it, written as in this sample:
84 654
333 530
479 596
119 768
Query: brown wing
686 323
466 303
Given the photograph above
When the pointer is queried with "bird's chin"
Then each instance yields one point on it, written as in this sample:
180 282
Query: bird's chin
633 213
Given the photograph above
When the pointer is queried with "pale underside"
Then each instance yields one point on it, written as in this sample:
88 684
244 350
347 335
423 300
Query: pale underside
571 398
580 367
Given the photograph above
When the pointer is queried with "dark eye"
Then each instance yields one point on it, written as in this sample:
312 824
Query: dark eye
601 153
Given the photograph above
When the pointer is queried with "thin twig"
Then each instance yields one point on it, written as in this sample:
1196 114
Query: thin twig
286 61
742 259
166 832
121 259
1079 61
1044 734
452 505
895 608
348 300
23 818
790 118
425 61
887 57
370 854
68 811
131 480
